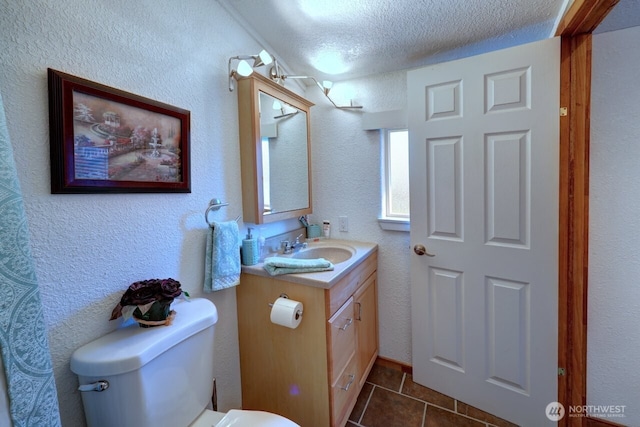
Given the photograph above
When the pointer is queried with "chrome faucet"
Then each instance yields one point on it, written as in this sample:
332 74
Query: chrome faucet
289 248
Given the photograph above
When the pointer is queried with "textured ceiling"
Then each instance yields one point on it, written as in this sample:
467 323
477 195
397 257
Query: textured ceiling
341 39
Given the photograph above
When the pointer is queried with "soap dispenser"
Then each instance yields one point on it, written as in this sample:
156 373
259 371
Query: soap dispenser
250 253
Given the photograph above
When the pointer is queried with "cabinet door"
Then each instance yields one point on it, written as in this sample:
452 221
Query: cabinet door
342 336
366 315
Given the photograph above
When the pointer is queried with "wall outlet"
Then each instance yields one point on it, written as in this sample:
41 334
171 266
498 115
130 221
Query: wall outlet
343 223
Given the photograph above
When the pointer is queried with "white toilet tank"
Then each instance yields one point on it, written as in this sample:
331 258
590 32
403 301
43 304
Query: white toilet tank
161 376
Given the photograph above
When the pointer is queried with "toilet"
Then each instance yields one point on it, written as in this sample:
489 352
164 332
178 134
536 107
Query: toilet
161 376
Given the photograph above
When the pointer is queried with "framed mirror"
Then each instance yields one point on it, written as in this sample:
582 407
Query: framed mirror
275 151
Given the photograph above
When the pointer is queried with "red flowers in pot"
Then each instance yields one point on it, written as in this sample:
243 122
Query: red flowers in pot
148 302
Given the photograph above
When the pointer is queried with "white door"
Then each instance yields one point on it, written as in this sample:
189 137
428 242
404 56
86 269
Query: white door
483 138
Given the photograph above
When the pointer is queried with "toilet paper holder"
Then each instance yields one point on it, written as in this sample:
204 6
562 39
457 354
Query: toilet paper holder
283 295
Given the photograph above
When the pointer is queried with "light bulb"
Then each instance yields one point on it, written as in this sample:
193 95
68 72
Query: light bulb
244 69
326 86
265 57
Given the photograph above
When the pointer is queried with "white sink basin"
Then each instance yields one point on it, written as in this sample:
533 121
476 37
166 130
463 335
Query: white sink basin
333 254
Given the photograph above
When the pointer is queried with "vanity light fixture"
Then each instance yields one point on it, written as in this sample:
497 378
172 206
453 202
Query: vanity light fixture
244 69
326 85
286 115
277 105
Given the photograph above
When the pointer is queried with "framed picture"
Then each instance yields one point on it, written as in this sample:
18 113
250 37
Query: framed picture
104 140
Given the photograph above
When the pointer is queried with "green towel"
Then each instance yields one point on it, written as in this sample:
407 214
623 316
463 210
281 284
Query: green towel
222 262
276 266
24 346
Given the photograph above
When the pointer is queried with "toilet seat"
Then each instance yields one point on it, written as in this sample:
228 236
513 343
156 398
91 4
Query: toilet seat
208 418
241 418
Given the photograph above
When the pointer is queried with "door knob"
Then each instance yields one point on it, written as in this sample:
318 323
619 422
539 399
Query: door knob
421 250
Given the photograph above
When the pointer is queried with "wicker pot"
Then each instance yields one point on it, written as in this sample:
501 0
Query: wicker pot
158 315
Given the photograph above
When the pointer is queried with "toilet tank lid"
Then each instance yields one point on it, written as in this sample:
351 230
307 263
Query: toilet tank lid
130 348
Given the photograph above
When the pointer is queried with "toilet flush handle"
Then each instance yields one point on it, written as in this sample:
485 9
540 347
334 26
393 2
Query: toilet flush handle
101 385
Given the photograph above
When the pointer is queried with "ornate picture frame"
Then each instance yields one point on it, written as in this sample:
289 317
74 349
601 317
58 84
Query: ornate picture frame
104 140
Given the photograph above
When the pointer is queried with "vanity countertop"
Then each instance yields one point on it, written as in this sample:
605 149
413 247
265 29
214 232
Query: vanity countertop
322 279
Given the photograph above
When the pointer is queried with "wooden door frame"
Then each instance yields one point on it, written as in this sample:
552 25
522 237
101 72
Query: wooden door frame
575 29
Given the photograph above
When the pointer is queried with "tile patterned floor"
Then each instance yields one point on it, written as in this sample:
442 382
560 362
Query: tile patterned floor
390 398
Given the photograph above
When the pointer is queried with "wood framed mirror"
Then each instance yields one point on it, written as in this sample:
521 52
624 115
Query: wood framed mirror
275 151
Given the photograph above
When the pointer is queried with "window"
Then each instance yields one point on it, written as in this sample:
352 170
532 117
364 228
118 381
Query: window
395 186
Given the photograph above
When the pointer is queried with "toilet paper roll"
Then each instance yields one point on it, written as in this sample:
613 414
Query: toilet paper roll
286 312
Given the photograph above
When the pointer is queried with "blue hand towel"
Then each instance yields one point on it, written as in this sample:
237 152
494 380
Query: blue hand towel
222 264
280 265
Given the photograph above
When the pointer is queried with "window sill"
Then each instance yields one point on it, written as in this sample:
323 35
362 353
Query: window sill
394 224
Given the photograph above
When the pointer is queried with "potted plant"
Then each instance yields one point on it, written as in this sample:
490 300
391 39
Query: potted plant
148 302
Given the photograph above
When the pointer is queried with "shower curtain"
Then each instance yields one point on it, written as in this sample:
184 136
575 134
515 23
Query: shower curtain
33 400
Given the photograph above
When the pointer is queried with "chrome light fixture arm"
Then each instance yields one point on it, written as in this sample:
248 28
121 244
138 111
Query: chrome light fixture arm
325 90
243 68
279 77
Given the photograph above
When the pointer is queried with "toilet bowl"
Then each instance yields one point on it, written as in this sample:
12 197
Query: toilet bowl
208 419
161 376
241 418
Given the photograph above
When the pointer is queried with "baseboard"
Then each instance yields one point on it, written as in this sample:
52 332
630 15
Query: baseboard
394 364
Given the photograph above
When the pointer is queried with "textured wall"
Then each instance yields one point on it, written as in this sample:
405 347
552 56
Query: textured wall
614 225
346 181
89 248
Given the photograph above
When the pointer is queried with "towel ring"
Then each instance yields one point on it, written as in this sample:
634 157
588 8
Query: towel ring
214 205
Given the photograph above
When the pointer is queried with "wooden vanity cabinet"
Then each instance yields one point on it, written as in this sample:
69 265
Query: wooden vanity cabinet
314 373
365 299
